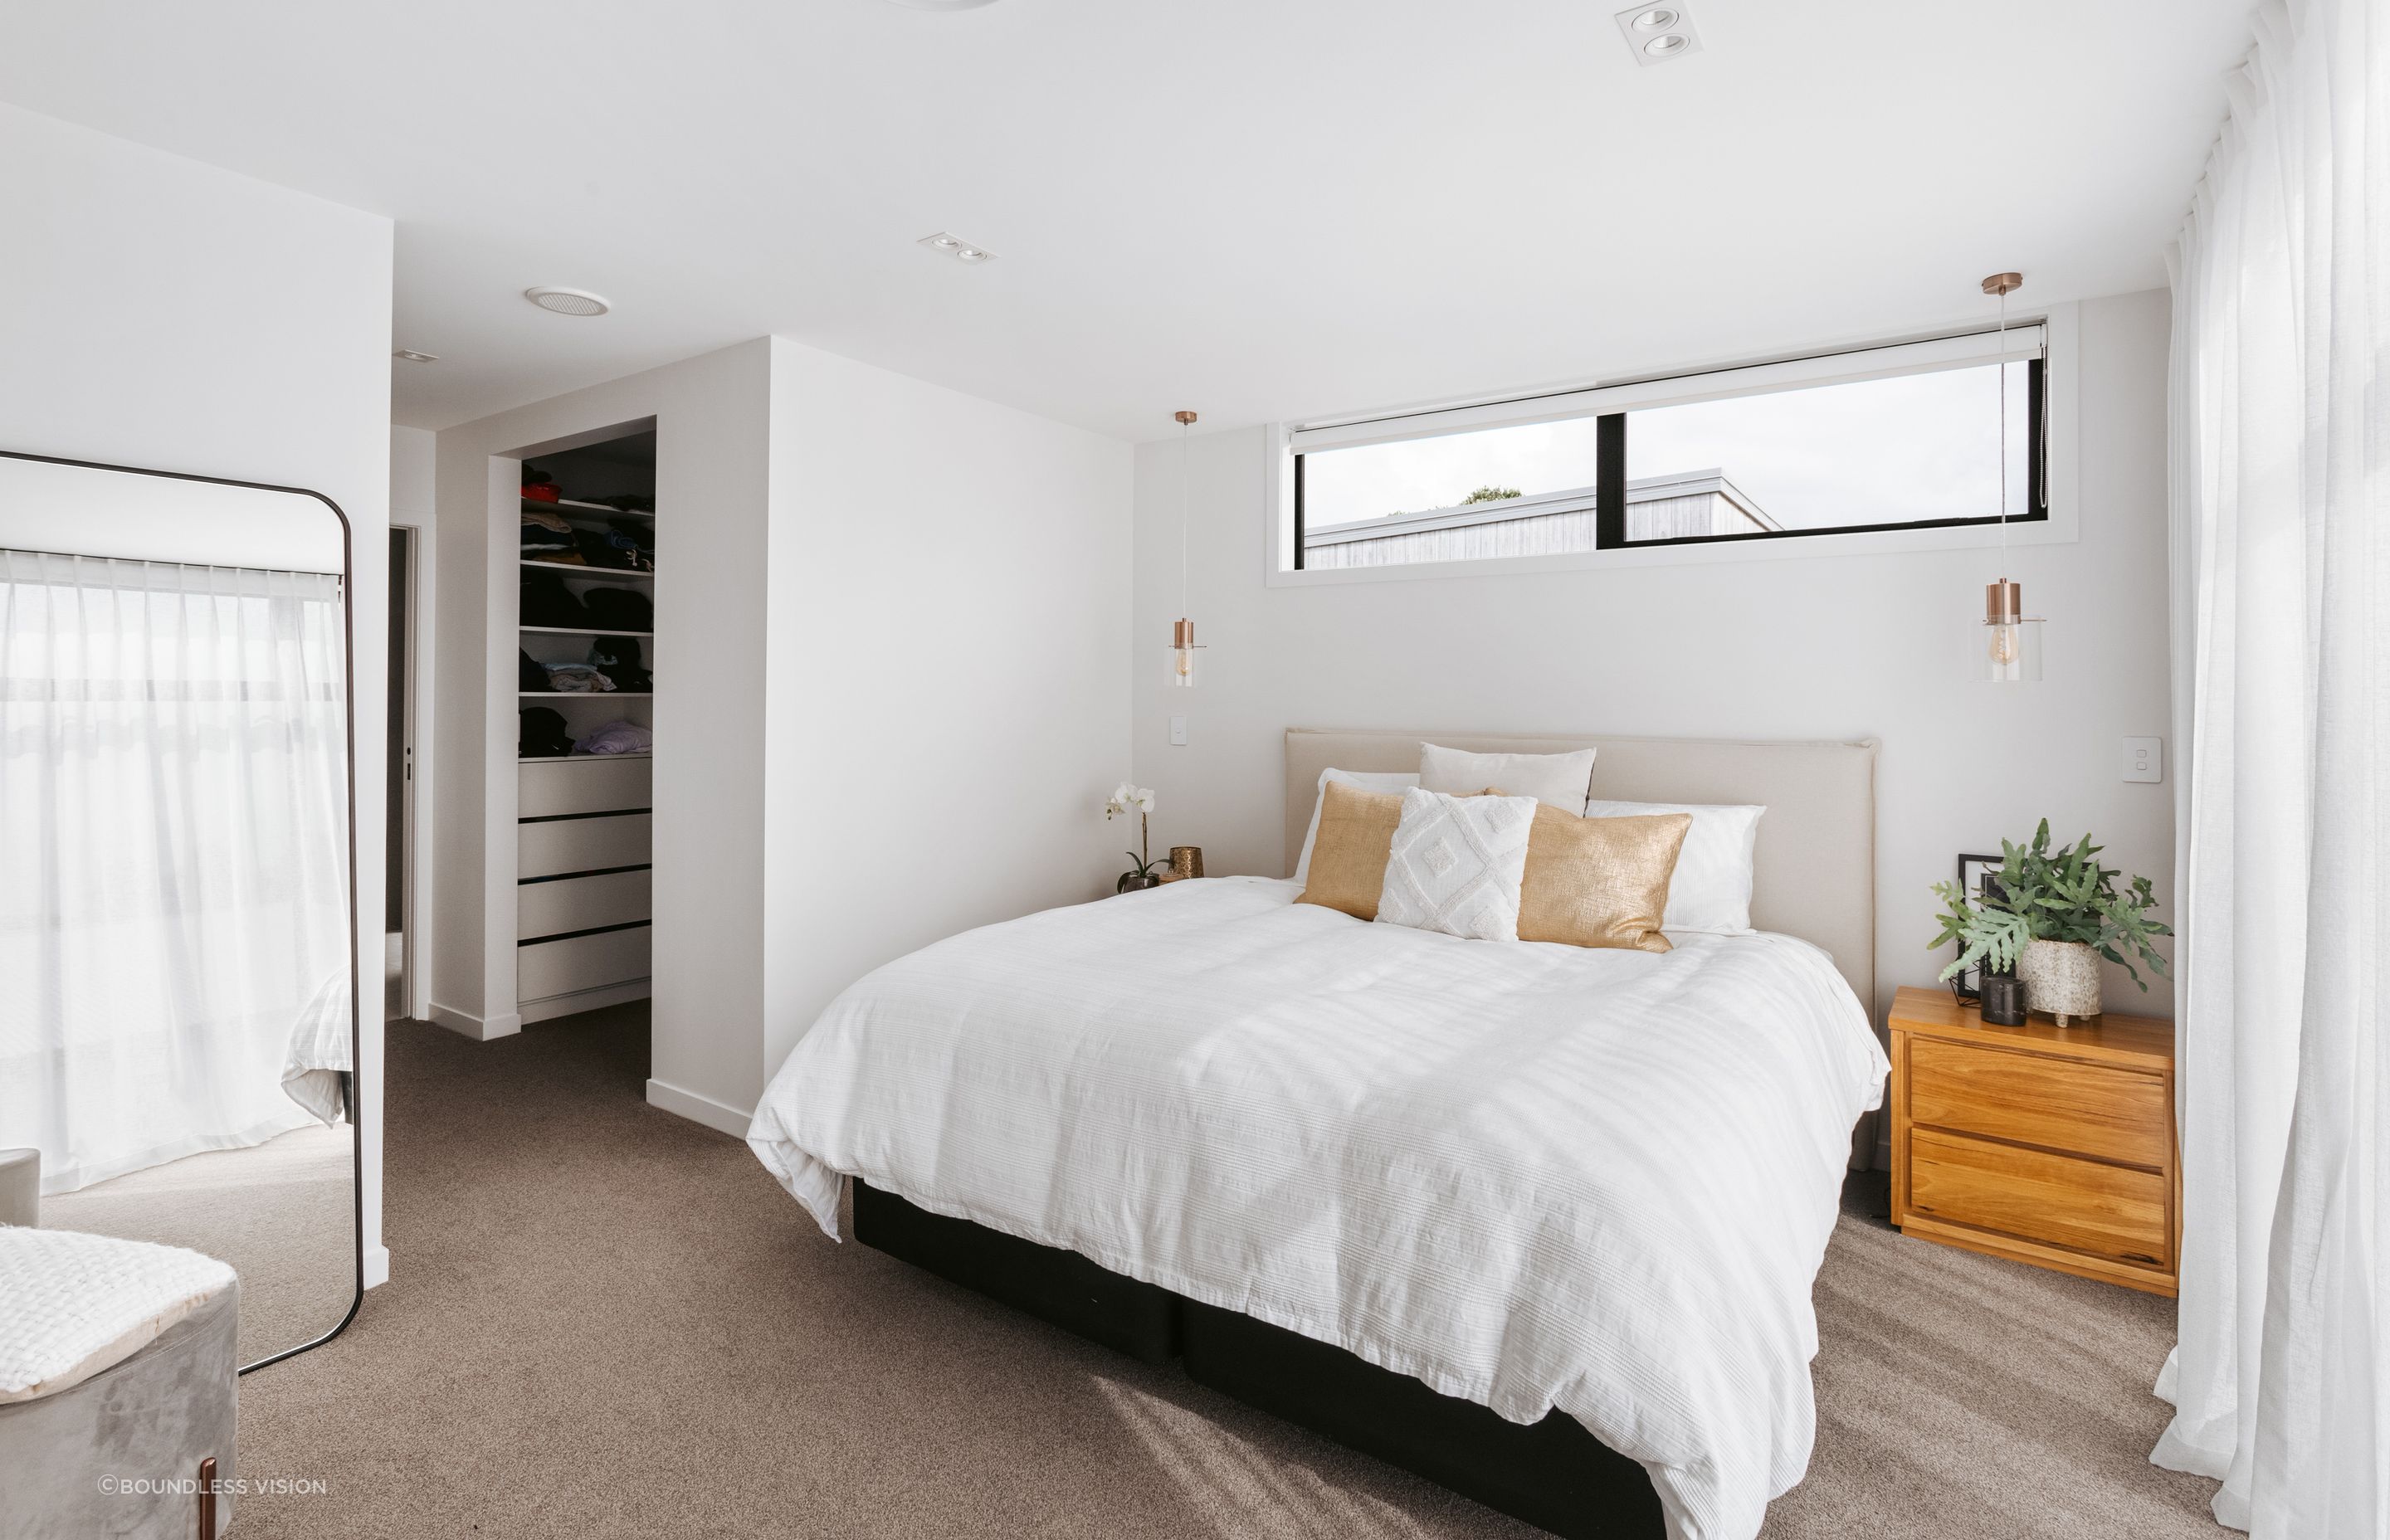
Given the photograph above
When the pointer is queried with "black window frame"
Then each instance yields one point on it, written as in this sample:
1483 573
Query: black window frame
1610 486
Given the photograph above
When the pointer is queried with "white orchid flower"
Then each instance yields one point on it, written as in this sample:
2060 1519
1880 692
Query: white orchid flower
1127 799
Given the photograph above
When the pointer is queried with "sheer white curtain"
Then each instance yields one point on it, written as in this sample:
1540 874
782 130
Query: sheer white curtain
2281 494
174 852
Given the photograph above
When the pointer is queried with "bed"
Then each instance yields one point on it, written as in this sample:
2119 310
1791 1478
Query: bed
1536 1221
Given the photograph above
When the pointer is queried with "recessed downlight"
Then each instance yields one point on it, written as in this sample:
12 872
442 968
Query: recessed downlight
568 301
414 357
1658 33
956 246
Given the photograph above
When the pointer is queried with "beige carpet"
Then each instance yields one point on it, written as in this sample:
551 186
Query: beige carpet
603 1319
282 1213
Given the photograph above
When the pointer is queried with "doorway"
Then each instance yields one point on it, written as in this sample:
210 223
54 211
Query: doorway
398 877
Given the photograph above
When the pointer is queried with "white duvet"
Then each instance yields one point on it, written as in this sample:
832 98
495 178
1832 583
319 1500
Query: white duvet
1529 1174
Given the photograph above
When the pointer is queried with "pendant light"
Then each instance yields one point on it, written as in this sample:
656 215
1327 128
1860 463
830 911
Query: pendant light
1182 631
2006 647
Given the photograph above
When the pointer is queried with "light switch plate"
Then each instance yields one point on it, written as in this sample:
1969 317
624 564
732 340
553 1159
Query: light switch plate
2144 758
1179 731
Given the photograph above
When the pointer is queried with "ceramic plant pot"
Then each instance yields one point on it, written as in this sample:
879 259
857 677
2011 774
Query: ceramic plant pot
1131 882
2061 977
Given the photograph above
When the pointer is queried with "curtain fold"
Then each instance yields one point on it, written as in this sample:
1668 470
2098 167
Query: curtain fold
2279 490
174 831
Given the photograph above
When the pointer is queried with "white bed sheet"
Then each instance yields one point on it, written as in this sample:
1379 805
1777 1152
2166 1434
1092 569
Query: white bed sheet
1529 1174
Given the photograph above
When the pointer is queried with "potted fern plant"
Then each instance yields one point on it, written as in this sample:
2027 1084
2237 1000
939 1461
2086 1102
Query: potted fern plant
2049 917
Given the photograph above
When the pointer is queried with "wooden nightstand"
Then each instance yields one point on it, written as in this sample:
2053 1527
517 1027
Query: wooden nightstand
2049 1145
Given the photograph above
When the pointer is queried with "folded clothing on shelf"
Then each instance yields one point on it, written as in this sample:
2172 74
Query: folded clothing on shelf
577 679
546 601
618 658
545 533
618 737
543 734
642 536
613 548
629 501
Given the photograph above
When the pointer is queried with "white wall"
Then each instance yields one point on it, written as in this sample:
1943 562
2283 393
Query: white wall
412 463
163 314
414 501
713 430
890 701
949 608
1829 647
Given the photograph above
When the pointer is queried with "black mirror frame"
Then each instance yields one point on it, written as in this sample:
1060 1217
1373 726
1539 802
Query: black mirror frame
356 984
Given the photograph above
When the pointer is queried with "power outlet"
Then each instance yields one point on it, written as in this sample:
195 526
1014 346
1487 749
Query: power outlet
2144 758
1178 732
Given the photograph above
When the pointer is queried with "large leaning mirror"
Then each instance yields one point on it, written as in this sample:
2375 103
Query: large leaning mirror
178 1033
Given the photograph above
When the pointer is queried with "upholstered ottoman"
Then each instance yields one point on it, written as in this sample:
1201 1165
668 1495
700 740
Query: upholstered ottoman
118 1382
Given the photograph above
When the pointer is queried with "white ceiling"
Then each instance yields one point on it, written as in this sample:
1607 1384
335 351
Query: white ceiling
1262 209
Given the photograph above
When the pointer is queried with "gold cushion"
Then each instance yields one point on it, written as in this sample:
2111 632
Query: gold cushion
1598 881
1349 854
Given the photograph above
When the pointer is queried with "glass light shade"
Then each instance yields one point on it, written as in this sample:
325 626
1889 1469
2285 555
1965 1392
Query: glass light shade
2005 647
1182 654
2005 652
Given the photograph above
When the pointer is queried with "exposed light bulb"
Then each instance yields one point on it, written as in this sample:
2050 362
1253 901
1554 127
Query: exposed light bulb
1182 654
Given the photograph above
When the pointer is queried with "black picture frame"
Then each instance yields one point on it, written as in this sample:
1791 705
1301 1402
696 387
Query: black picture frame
1978 875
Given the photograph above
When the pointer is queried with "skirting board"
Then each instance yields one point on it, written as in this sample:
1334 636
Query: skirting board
697 1108
579 1000
377 1268
481 1029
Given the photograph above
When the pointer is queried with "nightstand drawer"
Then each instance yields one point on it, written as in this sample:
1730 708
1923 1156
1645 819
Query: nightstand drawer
2106 1211
2084 1108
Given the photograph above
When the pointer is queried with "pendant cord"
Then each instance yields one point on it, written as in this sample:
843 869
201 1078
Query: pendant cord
1182 521
2003 371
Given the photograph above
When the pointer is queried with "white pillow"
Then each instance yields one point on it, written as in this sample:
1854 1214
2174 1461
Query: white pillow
1710 894
1456 864
1366 780
1562 780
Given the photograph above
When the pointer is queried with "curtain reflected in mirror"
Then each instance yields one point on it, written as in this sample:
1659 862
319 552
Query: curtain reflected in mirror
177 1041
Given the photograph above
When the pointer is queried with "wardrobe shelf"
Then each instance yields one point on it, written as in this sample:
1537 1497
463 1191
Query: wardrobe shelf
587 695
574 504
615 574
580 759
580 630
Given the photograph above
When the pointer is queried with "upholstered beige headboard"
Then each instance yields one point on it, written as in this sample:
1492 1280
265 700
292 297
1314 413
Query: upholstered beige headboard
1812 869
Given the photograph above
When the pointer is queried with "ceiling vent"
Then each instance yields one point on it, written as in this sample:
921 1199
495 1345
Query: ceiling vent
568 301
1658 33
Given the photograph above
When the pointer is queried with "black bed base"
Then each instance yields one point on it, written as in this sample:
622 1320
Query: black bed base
1554 1474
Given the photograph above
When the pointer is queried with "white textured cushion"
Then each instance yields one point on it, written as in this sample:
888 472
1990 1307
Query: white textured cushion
1710 894
74 1305
1556 781
1456 864
1366 780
